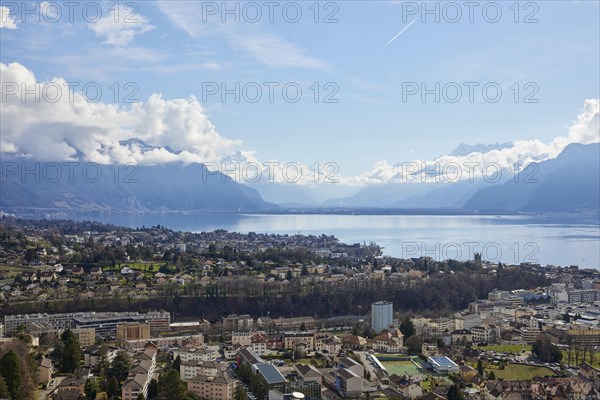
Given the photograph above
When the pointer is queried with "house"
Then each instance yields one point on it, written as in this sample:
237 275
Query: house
589 371
404 385
212 387
135 385
191 369
201 354
93 354
44 370
348 383
388 341
308 373
332 345
77 271
47 276
96 272
429 350
354 342
350 364
28 276
70 389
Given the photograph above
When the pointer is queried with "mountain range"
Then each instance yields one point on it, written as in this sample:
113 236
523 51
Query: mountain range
567 183
86 187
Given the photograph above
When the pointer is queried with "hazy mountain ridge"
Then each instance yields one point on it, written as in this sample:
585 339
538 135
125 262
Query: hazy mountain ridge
167 187
568 183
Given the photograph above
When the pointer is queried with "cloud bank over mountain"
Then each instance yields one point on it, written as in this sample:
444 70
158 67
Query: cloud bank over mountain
64 125
68 127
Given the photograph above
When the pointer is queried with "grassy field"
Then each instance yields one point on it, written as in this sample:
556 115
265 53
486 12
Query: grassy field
505 348
401 368
517 372
587 359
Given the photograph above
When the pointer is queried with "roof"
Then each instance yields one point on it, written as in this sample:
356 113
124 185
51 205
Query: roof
221 380
270 374
442 361
46 362
348 361
305 370
347 374
137 381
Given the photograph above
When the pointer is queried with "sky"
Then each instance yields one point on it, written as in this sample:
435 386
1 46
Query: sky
368 84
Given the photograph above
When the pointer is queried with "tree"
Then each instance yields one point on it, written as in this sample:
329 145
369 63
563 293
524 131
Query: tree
407 327
141 397
11 373
304 271
112 389
4 393
22 335
492 376
177 364
152 388
91 388
454 393
240 394
546 351
119 368
71 352
414 344
170 386
480 367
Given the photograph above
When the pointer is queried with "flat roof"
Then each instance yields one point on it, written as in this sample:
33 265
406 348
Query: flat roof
442 361
270 373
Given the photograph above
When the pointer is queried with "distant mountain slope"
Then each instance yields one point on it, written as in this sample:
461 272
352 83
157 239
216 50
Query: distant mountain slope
570 182
170 187
380 195
448 195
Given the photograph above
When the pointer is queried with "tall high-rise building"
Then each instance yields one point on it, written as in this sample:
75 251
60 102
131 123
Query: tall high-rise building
381 315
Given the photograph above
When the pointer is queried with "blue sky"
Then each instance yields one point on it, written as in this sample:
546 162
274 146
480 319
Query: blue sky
174 51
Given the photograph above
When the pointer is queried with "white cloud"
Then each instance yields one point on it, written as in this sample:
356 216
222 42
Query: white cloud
585 129
179 130
6 20
120 28
73 128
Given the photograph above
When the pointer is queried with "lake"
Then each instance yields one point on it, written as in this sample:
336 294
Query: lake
555 240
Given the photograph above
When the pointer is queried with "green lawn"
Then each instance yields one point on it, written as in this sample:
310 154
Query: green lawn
587 358
401 368
517 372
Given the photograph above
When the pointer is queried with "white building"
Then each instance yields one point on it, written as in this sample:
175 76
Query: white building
381 315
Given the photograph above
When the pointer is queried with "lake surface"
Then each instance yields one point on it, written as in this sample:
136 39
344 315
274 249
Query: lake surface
562 240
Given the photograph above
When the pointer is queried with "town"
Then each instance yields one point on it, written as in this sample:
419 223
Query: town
95 311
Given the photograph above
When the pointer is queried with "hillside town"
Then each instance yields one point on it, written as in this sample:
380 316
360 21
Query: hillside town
527 332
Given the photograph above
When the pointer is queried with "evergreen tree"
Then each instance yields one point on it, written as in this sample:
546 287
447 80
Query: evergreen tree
454 393
240 394
71 353
480 367
177 364
91 389
112 389
407 327
152 388
4 393
119 368
170 386
10 371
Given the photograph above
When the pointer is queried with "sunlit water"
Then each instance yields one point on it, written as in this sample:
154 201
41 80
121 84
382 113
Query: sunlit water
562 240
